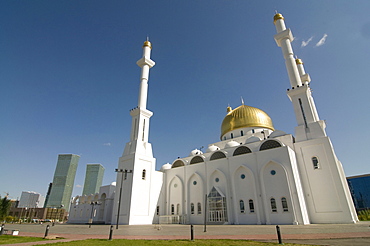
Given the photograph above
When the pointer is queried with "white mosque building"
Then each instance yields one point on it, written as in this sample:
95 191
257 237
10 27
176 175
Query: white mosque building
255 174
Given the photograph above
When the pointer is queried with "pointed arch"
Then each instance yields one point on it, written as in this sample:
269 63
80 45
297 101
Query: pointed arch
275 184
175 195
218 179
244 183
195 196
102 201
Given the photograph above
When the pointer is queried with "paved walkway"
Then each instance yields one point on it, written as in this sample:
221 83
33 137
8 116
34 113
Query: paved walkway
319 234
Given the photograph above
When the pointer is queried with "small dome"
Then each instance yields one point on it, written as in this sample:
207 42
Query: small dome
253 139
212 148
277 17
277 133
195 152
166 166
232 144
245 116
147 43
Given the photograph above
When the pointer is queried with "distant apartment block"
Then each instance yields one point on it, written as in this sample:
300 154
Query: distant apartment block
63 182
360 191
93 178
30 199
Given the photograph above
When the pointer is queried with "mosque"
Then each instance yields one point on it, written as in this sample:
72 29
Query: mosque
255 174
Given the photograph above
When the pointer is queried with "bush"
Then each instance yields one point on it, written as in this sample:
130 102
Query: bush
364 215
9 219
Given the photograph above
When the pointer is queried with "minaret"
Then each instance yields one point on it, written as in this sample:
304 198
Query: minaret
140 115
145 63
309 124
137 164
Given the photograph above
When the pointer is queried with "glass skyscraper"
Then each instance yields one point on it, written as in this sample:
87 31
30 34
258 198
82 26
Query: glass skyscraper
64 178
93 178
359 187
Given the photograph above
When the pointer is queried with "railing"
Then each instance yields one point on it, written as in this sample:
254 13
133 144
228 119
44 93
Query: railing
172 219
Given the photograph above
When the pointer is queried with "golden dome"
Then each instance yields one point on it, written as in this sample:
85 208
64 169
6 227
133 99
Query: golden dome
277 17
147 43
245 116
298 61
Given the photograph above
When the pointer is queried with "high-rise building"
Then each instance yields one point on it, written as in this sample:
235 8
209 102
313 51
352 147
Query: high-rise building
64 178
48 194
359 187
93 178
30 199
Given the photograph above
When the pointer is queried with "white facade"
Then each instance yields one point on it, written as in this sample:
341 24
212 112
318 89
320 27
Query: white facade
254 175
30 199
96 208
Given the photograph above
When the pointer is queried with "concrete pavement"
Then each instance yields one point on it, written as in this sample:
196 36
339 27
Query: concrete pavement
318 234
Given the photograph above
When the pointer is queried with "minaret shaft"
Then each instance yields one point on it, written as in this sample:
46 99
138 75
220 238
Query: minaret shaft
309 124
283 38
145 63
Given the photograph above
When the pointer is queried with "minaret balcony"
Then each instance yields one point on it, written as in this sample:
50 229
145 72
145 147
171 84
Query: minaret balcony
287 33
145 61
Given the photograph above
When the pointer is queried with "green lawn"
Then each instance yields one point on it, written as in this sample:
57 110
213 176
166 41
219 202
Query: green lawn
9 239
202 242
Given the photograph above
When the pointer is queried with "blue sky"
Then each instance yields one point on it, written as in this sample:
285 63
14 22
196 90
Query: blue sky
69 77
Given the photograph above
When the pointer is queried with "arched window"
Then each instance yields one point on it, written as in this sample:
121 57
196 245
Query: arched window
199 208
241 206
217 155
178 163
315 162
273 205
241 133
157 210
192 208
284 204
270 144
251 206
172 209
242 150
196 159
143 175
178 209
232 135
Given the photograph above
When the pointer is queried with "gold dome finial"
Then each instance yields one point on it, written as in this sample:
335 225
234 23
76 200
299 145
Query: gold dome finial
228 109
278 16
298 61
147 43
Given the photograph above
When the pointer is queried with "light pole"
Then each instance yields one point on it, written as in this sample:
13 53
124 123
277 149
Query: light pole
92 212
120 190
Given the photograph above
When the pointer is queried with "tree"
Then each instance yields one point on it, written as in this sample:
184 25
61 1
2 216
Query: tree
4 207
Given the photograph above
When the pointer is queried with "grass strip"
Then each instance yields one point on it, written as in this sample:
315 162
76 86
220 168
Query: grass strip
201 242
10 239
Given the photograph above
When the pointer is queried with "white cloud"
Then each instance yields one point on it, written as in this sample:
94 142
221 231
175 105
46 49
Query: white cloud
107 144
305 43
322 40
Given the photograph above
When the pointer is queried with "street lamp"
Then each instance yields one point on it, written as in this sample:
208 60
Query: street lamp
120 190
92 212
